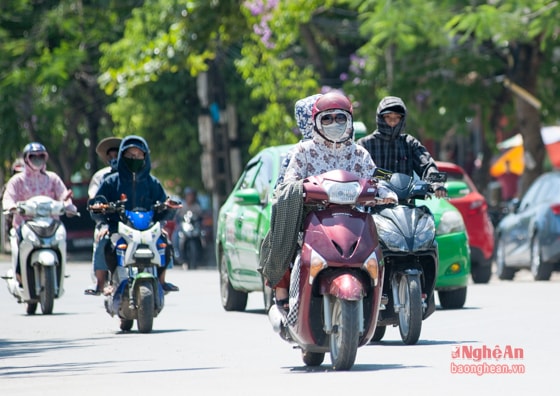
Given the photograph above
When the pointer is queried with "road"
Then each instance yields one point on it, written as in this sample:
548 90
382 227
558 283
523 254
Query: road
197 348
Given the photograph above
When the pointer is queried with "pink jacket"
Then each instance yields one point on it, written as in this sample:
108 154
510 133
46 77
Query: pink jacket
31 183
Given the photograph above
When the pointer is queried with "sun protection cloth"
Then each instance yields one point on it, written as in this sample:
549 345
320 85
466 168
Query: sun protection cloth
302 113
280 243
30 183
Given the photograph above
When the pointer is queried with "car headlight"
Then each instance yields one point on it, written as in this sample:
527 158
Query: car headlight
342 193
450 222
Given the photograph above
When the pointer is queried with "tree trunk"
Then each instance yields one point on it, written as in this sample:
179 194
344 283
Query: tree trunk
527 61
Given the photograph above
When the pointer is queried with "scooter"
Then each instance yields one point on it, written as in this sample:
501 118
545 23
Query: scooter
191 237
407 233
40 252
135 253
337 275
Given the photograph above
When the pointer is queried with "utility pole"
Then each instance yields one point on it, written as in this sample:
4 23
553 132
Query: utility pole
217 134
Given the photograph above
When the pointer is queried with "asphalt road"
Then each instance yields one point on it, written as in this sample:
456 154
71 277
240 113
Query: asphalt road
196 348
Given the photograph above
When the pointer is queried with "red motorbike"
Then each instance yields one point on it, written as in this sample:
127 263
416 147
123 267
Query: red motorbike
337 275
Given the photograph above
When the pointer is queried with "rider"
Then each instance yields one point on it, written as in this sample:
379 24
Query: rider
33 180
107 149
302 113
190 203
331 147
142 190
395 150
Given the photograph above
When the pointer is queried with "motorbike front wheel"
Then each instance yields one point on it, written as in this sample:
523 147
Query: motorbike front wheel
146 307
193 253
345 334
410 312
312 359
46 295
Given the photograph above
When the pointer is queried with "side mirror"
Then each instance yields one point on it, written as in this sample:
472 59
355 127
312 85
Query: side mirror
437 177
457 189
247 196
382 174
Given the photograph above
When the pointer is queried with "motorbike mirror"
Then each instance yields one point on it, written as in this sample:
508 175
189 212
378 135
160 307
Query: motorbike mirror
437 177
173 204
382 174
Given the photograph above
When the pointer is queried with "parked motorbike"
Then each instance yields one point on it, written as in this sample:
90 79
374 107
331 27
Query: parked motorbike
139 249
40 251
191 239
337 275
407 233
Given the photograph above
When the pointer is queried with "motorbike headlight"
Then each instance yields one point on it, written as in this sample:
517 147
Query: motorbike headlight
342 193
450 222
425 233
389 234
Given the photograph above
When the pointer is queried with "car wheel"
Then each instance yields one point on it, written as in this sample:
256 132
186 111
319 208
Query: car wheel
503 272
453 299
481 272
541 271
232 300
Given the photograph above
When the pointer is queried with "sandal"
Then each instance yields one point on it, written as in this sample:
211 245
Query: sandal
92 292
284 304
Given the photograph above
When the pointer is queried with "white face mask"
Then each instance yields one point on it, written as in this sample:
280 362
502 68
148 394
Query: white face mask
334 131
337 130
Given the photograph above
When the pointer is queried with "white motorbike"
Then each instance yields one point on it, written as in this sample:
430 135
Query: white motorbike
40 252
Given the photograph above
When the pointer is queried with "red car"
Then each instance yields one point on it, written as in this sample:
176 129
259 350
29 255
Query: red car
464 195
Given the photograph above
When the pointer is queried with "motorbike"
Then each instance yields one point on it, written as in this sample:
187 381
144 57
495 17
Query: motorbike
337 274
40 251
407 234
134 254
191 238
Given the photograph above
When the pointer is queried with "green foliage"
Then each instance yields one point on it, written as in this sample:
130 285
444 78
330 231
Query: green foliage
72 72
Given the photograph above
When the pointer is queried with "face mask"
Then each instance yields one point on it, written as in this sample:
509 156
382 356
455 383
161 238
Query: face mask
334 131
133 164
37 162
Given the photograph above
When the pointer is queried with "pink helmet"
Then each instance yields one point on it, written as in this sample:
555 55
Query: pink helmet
327 106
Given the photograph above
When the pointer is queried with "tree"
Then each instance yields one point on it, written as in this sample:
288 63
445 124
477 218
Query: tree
48 87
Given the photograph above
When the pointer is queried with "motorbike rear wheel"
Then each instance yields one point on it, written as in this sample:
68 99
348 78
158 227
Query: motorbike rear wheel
146 307
46 295
345 334
410 313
